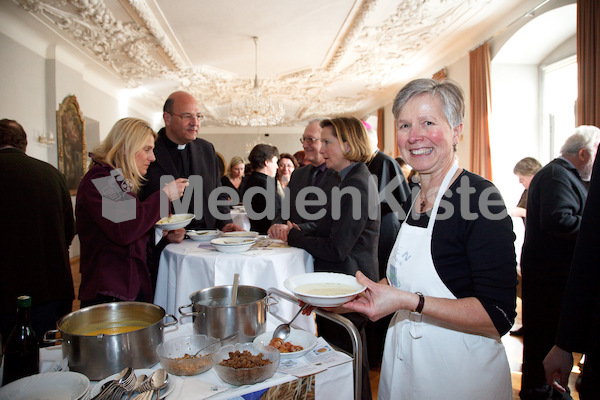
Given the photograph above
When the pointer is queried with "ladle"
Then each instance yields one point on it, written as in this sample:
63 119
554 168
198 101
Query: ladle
234 292
283 330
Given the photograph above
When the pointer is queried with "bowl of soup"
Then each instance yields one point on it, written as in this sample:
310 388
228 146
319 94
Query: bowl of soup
324 289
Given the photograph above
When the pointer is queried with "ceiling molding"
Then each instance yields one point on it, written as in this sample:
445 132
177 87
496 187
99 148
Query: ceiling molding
375 42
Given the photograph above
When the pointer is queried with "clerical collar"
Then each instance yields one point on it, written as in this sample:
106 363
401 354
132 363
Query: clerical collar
181 146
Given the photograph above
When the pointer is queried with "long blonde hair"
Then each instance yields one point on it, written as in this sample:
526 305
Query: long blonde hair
125 139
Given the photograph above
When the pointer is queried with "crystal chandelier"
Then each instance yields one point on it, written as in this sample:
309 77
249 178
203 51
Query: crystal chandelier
256 110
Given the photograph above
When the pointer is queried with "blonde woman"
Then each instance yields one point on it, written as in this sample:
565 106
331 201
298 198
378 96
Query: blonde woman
235 177
114 226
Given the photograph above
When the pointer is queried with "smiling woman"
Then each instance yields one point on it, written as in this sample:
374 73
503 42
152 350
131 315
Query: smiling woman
112 223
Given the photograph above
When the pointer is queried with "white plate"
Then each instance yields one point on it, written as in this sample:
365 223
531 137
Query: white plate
47 386
175 221
202 236
327 278
232 244
297 337
163 393
240 234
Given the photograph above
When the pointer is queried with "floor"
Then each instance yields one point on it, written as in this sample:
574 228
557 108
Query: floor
513 345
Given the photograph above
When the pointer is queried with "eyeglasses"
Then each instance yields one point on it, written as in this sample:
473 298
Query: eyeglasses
189 116
309 140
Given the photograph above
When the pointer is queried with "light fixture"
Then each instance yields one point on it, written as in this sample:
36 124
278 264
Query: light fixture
256 109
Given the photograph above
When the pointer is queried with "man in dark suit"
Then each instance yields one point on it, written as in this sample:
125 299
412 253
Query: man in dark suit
315 175
181 154
580 317
38 228
555 204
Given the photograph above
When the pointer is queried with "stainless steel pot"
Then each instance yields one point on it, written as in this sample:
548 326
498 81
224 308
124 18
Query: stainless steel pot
100 355
213 314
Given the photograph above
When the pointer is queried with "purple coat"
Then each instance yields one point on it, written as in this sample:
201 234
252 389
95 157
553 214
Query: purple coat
113 254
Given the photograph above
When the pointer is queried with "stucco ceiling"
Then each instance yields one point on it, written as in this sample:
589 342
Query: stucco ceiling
316 57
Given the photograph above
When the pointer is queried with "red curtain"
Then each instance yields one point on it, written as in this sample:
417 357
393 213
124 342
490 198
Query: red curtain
481 107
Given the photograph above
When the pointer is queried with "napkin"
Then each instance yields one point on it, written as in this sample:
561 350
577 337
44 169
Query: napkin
197 389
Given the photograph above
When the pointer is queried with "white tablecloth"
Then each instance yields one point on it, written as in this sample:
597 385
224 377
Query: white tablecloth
190 266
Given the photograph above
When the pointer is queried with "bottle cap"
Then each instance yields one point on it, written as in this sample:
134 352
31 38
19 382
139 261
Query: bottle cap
23 301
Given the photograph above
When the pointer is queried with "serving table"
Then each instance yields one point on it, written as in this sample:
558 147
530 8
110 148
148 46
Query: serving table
190 266
335 382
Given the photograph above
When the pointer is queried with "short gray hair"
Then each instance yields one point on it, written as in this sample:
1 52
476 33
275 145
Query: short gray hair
450 94
583 138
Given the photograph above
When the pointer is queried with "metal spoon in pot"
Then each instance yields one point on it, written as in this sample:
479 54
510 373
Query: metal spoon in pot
283 330
236 280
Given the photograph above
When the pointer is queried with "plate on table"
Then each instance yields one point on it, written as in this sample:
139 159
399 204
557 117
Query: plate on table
297 337
163 393
240 234
202 236
175 221
232 244
48 386
324 289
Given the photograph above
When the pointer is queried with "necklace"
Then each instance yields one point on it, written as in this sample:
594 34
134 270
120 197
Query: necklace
423 204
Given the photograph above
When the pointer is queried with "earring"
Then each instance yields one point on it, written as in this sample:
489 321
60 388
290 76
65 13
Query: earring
347 152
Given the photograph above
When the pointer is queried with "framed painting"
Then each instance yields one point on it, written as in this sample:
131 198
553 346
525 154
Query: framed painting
72 155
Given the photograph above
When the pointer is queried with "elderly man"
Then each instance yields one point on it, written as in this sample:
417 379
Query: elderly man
181 154
315 174
555 204
38 228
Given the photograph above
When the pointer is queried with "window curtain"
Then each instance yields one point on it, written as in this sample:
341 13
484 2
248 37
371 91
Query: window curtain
481 107
588 62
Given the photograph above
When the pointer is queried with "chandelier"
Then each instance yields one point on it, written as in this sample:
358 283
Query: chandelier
256 110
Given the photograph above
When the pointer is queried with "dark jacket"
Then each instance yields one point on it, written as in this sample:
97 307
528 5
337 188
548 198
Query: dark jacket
345 244
113 255
303 177
37 226
580 317
258 202
555 202
388 174
203 163
226 182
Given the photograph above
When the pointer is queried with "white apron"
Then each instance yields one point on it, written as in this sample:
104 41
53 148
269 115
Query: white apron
422 358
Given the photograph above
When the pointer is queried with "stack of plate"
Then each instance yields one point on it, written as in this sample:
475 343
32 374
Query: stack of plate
50 386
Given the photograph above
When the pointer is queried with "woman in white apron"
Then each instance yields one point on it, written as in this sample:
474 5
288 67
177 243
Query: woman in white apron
441 345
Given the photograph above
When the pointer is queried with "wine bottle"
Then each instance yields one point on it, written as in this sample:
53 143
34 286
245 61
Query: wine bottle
22 351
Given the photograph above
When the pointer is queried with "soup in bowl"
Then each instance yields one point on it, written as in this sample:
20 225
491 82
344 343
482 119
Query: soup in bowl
324 289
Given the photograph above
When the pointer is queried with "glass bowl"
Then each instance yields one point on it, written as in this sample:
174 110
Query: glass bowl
246 376
177 355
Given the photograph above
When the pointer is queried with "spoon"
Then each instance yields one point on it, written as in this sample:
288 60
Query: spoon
139 381
236 280
283 330
158 381
219 341
110 387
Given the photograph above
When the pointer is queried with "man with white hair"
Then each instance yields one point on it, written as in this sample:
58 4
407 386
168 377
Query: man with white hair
555 204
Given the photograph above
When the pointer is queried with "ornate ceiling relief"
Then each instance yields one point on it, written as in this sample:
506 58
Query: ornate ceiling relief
380 41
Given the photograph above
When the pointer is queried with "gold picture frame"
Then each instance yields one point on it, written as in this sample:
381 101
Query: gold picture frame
72 154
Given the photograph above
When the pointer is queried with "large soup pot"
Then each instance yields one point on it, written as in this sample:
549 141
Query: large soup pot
132 329
215 316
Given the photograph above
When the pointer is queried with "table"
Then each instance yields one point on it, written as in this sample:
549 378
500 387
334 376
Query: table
190 266
336 382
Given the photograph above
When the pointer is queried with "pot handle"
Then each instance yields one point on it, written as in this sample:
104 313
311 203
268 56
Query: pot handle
270 301
172 322
192 314
54 339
